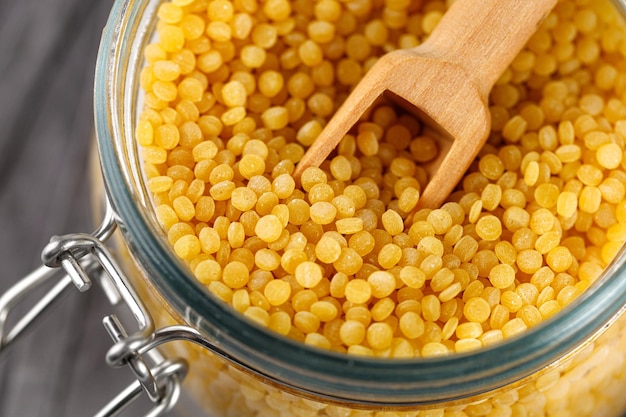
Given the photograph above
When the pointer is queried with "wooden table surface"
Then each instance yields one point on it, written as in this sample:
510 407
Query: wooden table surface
47 57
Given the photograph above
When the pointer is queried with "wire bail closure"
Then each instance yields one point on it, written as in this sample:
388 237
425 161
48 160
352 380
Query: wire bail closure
83 257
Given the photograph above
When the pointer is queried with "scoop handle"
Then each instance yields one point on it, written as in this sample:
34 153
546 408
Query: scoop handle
483 36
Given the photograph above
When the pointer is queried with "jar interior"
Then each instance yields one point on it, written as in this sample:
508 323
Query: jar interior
295 366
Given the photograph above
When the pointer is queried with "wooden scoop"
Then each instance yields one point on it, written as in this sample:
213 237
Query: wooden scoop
446 82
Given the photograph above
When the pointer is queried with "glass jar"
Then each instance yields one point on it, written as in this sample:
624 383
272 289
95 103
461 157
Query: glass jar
573 364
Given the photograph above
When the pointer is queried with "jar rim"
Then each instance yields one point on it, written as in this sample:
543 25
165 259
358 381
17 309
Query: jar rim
298 367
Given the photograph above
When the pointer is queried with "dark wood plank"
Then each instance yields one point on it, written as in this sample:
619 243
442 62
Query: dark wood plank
47 57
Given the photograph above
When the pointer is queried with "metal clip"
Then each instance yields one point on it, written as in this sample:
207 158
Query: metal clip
18 292
168 374
82 256
41 277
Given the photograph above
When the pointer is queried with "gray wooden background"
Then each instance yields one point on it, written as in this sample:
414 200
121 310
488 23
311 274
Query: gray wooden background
47 57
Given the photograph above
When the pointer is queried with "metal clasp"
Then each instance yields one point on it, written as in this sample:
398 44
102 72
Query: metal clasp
82 257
